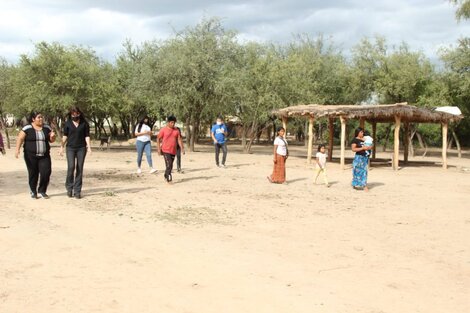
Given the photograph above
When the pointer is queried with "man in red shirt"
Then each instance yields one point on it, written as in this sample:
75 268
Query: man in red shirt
167 140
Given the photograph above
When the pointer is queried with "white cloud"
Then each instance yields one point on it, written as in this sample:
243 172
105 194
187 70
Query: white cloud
104 24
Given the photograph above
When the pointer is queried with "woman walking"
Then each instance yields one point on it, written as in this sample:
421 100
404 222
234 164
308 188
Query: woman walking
143 132
281 153
361 160
77 140
36 137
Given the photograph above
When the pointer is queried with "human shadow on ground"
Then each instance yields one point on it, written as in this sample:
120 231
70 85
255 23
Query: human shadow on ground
374 185
296 180
192 170
184 180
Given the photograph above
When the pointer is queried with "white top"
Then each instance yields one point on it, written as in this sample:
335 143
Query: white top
281 146
143 138
368 141
321 159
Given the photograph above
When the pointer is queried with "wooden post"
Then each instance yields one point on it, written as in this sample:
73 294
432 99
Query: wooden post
396 140
444 145
374 137
331 131
343 138
362 122
311 120
284 124
406 142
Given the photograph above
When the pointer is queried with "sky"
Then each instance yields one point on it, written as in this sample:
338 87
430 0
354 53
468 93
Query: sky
103 25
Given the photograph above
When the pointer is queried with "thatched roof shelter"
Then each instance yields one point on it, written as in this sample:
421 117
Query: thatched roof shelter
384 113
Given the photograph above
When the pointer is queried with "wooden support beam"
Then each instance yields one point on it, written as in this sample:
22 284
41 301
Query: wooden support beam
374 137
396 140
362 122
343 140
444 145
284 124
406 142
311 121
331 132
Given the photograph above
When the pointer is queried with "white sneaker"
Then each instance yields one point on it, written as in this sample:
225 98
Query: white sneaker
139 171
152 170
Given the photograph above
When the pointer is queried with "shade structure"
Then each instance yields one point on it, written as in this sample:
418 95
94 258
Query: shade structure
397 113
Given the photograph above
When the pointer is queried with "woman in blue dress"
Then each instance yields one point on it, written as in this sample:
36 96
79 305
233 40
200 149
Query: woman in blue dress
361 160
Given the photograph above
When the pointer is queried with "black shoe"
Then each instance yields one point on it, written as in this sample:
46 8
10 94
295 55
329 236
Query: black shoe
34 195
69 194
43 195
77 196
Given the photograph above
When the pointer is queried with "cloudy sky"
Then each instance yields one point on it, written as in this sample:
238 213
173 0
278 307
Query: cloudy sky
103 25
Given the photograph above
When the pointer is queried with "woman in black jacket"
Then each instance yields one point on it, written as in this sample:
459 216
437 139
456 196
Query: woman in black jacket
77 141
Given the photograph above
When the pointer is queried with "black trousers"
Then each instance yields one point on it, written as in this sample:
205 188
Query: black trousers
75 162
169 159
178 157
39 168
219 146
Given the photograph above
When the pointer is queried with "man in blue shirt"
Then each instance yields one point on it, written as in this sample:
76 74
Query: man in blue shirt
219 133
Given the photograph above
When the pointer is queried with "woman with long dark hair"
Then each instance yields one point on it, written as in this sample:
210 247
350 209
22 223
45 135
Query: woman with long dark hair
77 140
36 137
143 134
281 153
361 160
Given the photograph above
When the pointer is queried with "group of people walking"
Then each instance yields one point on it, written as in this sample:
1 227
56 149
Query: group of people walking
37 136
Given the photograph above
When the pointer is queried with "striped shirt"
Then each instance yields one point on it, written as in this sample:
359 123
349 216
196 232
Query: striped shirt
37 141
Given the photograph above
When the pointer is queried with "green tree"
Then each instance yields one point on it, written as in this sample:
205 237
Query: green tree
189 71
463 10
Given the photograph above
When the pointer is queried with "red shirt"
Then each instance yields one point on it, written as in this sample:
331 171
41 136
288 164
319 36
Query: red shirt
170 138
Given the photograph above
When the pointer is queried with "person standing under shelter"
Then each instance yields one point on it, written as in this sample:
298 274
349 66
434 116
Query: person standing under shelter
37 137
167 140
77 138
219 134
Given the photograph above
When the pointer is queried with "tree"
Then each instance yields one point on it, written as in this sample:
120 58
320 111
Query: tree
189 71
457 82
463 10
249 89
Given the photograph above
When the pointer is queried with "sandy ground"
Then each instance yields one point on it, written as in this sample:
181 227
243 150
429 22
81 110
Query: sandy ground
225 240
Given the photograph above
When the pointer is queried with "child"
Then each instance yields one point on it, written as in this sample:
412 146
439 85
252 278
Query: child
368 142
321 164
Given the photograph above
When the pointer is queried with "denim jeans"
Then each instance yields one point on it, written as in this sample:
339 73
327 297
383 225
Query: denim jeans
75 162
141 147
219 146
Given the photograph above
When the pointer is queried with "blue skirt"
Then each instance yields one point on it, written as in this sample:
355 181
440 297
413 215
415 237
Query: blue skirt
360 164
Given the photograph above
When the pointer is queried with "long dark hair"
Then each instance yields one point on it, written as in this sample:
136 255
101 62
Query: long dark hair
357 131
76 109
142 122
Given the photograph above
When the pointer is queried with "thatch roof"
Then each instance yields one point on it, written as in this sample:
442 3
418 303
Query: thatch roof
371 113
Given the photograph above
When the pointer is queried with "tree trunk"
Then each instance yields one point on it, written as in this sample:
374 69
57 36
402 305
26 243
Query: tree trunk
188 134
244 131
387 135
457 143
7 135
422 143
252 136
412 150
